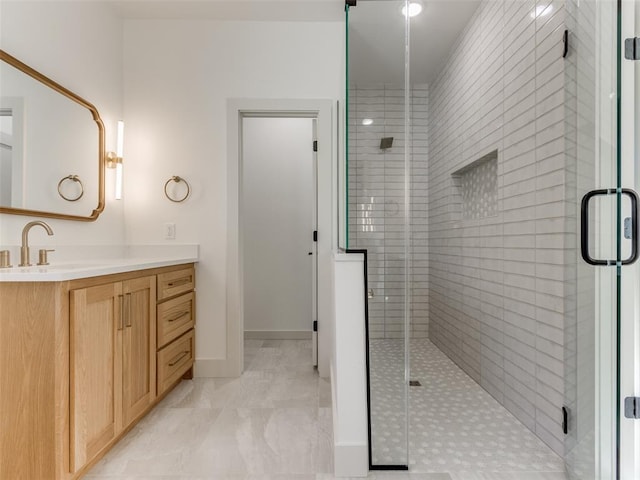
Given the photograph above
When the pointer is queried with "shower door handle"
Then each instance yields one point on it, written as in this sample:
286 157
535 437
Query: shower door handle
584 226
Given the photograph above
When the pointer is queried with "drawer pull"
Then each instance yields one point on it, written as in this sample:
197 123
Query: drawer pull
179 357
128 302
178 316
121 319
179 282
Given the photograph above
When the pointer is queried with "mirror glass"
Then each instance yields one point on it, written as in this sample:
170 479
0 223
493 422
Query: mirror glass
51 147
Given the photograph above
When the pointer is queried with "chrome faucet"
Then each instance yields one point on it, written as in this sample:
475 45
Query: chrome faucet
24 249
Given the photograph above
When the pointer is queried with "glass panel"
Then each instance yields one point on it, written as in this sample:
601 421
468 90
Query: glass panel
630 278
591 73
516 136
378 209
343 170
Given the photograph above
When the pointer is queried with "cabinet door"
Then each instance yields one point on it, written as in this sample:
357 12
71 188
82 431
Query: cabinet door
139 347
95 370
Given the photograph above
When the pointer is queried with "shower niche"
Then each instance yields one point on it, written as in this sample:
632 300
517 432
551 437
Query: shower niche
477 188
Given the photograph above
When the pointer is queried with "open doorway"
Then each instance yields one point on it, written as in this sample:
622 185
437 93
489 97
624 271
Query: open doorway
279 218
237 110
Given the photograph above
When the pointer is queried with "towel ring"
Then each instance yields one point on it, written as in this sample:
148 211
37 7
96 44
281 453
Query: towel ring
177 179
73 178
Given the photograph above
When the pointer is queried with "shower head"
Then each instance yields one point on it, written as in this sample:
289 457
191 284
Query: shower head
386 142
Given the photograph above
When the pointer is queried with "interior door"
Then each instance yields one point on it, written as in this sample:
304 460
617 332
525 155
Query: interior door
277 205
601 304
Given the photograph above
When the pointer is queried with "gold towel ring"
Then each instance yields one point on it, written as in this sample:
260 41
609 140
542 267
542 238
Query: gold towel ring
73 178
177 179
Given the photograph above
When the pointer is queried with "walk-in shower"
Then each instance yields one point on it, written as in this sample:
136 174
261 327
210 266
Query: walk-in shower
483 353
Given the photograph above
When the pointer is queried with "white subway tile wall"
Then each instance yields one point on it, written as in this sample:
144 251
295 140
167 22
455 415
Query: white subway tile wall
376 205
496 298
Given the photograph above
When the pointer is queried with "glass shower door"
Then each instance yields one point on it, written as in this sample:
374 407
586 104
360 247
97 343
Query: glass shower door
629 339
599 310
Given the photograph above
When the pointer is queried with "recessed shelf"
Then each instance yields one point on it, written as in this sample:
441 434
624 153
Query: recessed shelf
478 185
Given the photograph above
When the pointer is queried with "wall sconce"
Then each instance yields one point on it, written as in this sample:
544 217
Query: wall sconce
114 160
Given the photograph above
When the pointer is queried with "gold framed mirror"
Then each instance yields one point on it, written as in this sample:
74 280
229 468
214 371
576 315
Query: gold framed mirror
47 136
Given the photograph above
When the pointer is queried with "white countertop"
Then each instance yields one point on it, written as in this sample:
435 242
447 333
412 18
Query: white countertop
131 259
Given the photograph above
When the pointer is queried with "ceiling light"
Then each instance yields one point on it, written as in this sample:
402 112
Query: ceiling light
367 121
414 9
541 11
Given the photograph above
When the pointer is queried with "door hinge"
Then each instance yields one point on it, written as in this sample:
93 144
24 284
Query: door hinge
315 145
565 44
632 48
632 407
315 325
315 235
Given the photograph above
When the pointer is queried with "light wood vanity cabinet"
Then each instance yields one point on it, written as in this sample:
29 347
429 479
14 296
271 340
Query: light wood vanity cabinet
138 345
176 319
82 360
112 362
95 371
175 283
175 360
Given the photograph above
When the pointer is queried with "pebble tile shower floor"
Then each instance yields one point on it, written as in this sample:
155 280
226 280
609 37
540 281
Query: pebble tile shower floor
455 426
274 422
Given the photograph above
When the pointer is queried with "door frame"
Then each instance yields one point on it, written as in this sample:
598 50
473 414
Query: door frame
314 247
321 110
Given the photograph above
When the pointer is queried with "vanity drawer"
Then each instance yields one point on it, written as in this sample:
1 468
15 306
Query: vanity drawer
174 360
171 284
175 317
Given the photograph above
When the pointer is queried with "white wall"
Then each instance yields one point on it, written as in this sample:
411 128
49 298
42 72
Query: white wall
79 45
349 369
178 77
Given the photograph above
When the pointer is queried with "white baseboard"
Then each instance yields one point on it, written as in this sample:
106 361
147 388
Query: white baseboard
214 368
351 460
277 334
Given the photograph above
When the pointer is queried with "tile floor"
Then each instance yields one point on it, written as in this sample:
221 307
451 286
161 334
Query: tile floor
274 422
455 426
